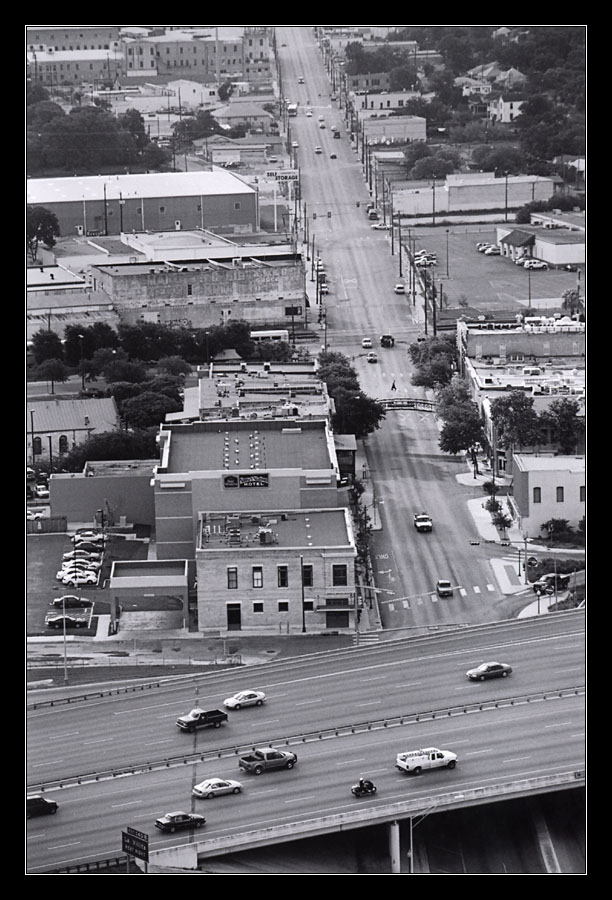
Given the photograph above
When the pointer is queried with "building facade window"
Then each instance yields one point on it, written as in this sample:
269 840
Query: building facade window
308 605
339 575
257 576
63 443
582 493
258 606
232 578
307 574
37 446
283 606
537 495
283 576
560 494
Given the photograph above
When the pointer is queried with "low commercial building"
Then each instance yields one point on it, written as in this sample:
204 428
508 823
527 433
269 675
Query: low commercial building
262 290
255 391
56 426
112 204
276 572
548 487
235 464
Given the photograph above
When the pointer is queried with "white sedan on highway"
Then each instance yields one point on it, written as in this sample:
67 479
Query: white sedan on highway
245 698
214 787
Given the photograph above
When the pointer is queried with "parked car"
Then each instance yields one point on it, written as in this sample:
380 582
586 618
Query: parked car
484 245
570 267
83 554
295 145
245 698
57 621
70 601
372 357
399 289
548 583
318 150
492 251
521 260
175 821
89 534
536 264
489 670
74 579
380 226
444 588
42 491
215 787
32 514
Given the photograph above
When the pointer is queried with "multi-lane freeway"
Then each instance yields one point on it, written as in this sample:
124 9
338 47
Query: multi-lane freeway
377 684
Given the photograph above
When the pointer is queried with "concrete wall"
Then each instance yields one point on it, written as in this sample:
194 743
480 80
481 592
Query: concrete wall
78 497
533 515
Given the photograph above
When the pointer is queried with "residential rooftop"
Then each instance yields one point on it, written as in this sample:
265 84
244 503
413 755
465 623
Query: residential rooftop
528 463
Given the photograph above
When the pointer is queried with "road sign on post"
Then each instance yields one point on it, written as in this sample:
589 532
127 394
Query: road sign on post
135 843
286 175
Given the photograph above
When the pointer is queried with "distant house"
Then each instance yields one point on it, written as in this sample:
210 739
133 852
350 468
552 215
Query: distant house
55 426
244 113
504 108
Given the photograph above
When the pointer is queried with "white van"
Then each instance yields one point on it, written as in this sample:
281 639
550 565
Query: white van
429 758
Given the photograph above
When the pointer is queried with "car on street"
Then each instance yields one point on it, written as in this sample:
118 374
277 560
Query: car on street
387 340
309 113
333 156
321 118
40 806
215 787
324 288
177 821
380 226
322 125
366 343
301 79
489 670
295 145
372 357
536 264
70 601
444 588
53 620
245 698
423 522
318 150
492 251
399 289
547 584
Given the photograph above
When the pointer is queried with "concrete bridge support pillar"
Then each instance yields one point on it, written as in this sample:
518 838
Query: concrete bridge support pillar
394 848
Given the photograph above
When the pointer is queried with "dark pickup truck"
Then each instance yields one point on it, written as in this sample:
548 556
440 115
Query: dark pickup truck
201 718
267 758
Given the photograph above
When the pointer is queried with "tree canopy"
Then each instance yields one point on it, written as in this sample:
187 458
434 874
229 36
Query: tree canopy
42 227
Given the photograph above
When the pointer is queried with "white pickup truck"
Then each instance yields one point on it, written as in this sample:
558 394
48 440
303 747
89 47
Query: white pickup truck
423 522
428 758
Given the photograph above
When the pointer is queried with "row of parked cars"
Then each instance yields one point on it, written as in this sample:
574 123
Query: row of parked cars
80 566
527 262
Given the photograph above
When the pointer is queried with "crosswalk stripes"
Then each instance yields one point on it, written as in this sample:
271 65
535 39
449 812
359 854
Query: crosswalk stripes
366 637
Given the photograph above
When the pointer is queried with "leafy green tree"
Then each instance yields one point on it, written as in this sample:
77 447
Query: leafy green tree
35 92
515 420
462 428
148 409
148 341
356 414
132 122
572 301
46 345
454 394
225 91
123 370
38 114
433 166
168 385
51 370
41 227
88 139
113 445
565 423
434 374
173 365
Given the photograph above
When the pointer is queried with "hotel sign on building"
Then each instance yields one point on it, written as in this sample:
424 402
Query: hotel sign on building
246 481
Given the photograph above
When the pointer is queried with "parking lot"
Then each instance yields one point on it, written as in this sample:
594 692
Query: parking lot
489 283
44 558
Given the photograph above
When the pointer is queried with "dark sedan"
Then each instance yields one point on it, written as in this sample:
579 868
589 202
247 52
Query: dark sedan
173 821
489 670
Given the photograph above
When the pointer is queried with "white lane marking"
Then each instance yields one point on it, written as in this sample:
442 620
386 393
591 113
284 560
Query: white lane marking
61 846
57 737
515 759
153 743
300 799
48 763
490 587
99 741
476 589
462 591
308 702
557 724
131 803
476 752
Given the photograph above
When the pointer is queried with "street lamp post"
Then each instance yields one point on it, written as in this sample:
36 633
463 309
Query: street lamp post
506 199
50 439
64 630
447 233
303 607
433 207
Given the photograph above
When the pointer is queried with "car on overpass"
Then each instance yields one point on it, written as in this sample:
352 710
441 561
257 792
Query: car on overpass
179 821
489 670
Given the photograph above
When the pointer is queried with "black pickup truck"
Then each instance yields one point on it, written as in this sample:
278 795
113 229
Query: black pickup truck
201 718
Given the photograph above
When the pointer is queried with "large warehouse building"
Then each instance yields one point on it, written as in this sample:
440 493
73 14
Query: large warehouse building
112 204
